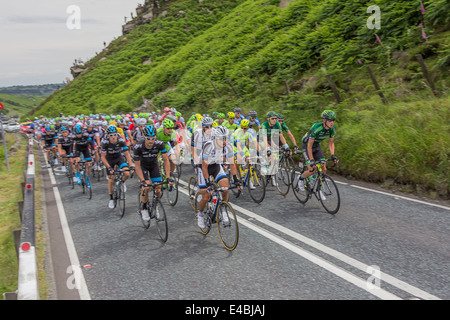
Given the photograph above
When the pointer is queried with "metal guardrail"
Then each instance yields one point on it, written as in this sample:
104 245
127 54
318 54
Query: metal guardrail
25 238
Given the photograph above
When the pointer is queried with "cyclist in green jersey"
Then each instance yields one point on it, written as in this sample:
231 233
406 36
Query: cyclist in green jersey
269 127
166 135
311 140
230 125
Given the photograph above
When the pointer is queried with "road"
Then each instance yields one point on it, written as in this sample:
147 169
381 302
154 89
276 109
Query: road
378 246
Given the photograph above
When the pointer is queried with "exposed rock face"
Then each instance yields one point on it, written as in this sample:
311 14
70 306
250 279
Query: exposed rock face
145 14
76 71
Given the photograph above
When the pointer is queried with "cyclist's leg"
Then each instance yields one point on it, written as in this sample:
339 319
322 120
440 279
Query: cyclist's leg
222 180
88 159
203 189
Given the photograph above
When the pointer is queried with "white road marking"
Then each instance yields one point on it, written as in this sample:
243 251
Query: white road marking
334 253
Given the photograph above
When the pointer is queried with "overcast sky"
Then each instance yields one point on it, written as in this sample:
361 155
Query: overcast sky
37 47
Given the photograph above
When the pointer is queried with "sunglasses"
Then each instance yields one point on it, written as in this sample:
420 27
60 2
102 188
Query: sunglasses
150 138
113 135
273 118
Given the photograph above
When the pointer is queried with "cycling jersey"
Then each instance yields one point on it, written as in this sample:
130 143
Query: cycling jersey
318 133
148 157
49 139
265 128
113 150
230 127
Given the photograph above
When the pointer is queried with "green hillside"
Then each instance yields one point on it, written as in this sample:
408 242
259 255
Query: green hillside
213 55
19 104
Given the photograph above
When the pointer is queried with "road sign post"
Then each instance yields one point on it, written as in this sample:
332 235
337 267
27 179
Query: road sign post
4 139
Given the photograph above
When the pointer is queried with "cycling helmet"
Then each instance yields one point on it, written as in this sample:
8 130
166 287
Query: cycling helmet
280 116
141 122
231 115
245 123
237 110
207 121
78 129
329 115
221 116
47 128
271 114
111 129
220 132
63 128
252 113
118 117
168 124
166 109
149 131
198 116
178 114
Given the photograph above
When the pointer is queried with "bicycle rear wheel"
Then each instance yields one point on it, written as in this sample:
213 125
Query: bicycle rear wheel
161 220
256 185
329 194
192 190
227 226
172 191
121 200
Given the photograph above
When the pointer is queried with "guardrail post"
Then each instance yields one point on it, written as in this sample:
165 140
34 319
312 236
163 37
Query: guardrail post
27 282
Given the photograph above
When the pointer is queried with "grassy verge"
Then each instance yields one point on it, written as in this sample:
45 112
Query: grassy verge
10 194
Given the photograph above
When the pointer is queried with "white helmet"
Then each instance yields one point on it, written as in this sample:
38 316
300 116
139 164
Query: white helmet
220 132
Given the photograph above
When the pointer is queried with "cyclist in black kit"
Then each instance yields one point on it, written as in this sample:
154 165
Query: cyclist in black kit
113 149
146 153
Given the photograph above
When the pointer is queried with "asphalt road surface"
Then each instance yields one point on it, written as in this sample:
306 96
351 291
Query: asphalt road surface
379 245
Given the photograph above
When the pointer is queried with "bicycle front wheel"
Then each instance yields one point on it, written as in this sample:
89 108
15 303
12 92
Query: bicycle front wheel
161 220
192 190
227 226
256 185
283 180
329 194
300 189
121 200
172 191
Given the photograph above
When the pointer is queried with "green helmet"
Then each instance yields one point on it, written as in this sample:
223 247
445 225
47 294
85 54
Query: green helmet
329 115
167 123
221 115
271 114
280 116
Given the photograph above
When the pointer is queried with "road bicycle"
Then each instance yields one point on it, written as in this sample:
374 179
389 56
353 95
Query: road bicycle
172 191
119 194
192 189
277 173
251 178
322 187
221 212
69 170
85 183
155 209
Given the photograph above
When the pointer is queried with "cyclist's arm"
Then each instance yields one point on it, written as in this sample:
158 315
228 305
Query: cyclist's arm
309 149
291 136
140 174
105 162
166 164
128 157
331 145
